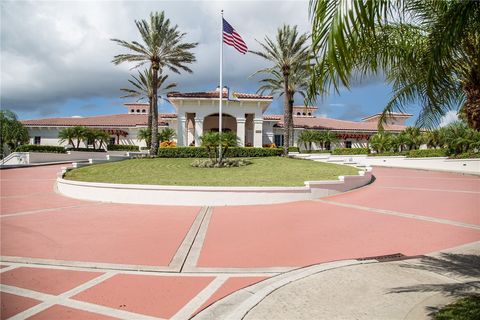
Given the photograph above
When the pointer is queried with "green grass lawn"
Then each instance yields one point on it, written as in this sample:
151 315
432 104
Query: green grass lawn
272 171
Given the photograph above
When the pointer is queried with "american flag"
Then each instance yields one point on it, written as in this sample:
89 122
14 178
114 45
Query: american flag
232 38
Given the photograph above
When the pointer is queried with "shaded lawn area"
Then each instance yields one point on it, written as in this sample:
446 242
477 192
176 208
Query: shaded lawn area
271 171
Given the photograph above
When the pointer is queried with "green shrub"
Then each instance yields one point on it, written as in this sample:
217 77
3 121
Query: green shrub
350 151
388 154
122 147
235 152
466 155
317 151
227 163
467 308
426 153
293 149
86 150
40 148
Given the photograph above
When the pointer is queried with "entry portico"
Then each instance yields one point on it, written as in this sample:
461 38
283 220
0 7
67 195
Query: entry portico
198 113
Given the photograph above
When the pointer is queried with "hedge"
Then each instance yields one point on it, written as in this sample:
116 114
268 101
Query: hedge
40 148
388 154
200 152
86 150
466 155
122 147
426 153
293 149
350 151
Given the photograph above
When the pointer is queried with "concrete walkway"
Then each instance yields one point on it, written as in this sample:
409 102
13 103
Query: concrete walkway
407 289
63 258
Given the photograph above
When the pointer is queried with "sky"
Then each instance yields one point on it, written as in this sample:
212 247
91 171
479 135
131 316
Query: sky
56 55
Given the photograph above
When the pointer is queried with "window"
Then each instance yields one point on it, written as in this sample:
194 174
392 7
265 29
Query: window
278 139
298 114
112 140
309 114
304 114
132 110
144 111
37 140
138 110
348 144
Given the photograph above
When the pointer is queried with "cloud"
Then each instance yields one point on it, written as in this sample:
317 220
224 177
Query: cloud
55 52
449 117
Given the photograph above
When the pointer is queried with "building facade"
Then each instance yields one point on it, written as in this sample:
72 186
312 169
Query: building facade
197 113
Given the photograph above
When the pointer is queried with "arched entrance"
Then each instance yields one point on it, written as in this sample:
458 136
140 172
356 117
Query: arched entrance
210 123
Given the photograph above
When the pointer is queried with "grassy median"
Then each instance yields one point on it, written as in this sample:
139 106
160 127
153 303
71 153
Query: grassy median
272 171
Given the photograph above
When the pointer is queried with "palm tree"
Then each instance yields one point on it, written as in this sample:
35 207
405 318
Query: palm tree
289 54
78 133
142 89
102 137
428 50
413 138
146 135
13 133
381 142
67 134
433 138
329 138
166 134
307 137
212 140
162 47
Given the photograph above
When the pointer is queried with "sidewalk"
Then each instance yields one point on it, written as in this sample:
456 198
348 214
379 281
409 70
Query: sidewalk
407 289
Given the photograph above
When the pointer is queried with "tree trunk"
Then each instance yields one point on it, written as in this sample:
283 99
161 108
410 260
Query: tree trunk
286 114
154 131
290 125
471 107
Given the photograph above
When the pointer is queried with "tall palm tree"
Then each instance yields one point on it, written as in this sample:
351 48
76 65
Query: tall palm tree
428 50
162 47
289 53
142 89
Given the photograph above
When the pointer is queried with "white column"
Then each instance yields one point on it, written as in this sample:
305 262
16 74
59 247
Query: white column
257 132
181 130
198 131
241 131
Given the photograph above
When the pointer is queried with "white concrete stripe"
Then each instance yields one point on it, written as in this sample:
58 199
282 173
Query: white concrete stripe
23 213
431 189
85 264
181 255
194 254
7 269
49 300
403 215
187 311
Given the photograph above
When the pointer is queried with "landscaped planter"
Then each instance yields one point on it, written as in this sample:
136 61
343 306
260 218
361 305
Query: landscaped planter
207 196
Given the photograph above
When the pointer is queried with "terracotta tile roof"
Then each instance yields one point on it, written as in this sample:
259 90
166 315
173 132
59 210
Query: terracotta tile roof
334 124
395 114
208 94
240 95
215 94
272 117
115 120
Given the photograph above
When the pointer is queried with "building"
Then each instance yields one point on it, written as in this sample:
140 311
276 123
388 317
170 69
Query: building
197 113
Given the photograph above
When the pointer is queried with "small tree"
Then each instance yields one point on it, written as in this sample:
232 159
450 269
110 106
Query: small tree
212 140
67 135
381 142
166 134
13 132
307 137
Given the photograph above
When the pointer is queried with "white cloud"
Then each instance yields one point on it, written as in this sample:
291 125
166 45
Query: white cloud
449 117
53 51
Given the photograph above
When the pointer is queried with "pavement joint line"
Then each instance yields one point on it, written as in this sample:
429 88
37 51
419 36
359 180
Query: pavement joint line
24 213
26 195
429 189
181 255
402 214
197 245
231 272
8 268
193 305
48 300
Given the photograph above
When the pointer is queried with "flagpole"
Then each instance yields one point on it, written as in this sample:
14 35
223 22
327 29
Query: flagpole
221 88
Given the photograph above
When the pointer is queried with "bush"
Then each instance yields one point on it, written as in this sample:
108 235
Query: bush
317 151
388 154
227 163
86 150
293 149
466 155
40 148
168 144
270 145
235 152
467 308
350 151
122 147
427 153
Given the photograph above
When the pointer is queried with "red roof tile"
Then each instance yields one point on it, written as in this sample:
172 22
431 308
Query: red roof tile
115 120
240 95
334 124
210 94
